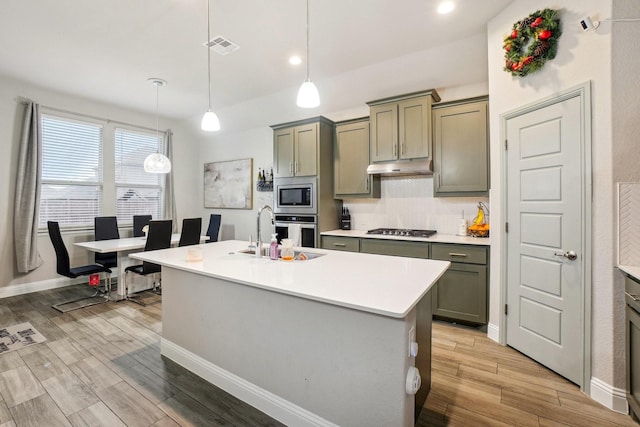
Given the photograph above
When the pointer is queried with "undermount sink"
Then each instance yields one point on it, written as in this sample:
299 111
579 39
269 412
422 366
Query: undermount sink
296 254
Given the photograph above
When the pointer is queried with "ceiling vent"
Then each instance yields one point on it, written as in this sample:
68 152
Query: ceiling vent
222 45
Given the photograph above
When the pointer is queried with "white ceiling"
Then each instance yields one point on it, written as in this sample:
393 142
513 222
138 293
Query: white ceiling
106 50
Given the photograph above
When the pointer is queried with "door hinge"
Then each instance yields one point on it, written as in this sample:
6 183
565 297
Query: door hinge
506 145
506 309
506 227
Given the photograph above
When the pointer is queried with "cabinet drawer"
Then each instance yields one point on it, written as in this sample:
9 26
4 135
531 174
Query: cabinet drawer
351 244
459 253
395 248
632 289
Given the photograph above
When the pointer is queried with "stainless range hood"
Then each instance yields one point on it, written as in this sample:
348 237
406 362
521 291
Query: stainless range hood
402 167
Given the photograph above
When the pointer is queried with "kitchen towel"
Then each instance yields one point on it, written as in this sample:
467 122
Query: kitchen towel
294 233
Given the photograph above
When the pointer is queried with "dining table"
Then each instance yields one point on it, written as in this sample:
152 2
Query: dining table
123 247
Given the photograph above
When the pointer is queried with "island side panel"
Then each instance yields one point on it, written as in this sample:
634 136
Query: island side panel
423 359
344 365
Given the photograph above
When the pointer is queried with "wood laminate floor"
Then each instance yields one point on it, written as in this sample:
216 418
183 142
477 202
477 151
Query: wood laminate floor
101 366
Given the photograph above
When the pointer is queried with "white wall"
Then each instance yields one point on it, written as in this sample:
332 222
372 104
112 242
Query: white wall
254 143
11 113
581 57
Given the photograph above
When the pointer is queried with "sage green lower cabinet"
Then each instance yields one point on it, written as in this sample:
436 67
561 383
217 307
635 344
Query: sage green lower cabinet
395 248
461 292
632 346
339 243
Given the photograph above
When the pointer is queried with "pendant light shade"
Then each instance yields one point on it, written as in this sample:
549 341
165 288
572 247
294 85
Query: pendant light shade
210 121
308 96
157 162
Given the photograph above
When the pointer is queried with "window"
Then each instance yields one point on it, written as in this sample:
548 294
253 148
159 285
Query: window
137 192
92 168
71 190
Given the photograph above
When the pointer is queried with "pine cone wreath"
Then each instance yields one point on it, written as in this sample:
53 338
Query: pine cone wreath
542 48
526 22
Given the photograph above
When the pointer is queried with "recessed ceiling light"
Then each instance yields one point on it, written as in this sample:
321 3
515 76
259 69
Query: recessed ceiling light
446 7
295 60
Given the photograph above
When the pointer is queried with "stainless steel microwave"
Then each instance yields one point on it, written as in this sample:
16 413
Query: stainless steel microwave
296 195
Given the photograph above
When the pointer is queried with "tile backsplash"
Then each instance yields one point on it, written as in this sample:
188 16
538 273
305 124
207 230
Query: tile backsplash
408 202
628 223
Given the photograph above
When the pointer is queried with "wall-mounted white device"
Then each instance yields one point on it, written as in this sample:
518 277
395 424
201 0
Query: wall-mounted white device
587 24
414 381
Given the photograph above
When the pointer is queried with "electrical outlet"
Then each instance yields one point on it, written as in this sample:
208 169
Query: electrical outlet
412 339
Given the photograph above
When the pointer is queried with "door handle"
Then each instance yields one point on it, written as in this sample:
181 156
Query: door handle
570 255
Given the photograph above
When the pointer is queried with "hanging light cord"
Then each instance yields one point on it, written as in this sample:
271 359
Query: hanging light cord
158 84
307 39
209 51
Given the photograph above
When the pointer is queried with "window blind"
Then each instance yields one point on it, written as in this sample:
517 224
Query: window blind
71 188
137 192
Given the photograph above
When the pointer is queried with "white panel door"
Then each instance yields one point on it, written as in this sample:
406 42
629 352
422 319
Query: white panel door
544 213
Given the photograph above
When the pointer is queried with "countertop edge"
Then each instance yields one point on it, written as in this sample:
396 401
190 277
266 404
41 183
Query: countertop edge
631 270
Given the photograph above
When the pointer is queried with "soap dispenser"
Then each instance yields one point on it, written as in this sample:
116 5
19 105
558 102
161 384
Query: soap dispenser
273 247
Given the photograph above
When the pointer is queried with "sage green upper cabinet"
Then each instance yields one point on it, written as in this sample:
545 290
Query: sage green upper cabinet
297 147
401 126
351 158
295 151
461 151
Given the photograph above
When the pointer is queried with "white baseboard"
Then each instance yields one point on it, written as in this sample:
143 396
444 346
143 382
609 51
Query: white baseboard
43 285
493 332
611 397
267 402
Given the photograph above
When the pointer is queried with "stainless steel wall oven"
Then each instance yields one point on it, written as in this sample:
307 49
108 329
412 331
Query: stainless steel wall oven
308 228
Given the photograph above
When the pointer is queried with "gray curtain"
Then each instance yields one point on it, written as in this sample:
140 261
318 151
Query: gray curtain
169 196
27 196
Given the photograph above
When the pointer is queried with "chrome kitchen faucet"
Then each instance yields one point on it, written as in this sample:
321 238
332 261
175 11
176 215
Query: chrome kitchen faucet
259 242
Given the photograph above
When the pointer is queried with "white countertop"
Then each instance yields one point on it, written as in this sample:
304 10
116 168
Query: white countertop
631 270
436 238
386 285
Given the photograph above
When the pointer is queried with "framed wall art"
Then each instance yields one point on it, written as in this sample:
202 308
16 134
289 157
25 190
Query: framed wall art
229 184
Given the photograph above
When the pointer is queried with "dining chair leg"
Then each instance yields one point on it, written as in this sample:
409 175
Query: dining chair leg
136 298
104 298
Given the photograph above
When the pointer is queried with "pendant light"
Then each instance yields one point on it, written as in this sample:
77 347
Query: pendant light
210 121
308 96
157 162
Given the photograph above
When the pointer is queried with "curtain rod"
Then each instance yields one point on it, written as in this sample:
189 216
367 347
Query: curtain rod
25 101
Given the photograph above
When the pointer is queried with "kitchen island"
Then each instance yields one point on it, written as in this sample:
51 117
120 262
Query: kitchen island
326 341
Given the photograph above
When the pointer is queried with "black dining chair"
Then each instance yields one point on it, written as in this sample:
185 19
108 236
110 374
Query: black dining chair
191 229
139 221
63 267
158 237
106 228
214 227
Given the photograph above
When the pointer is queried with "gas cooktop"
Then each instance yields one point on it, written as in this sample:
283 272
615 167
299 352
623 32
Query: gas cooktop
402 232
